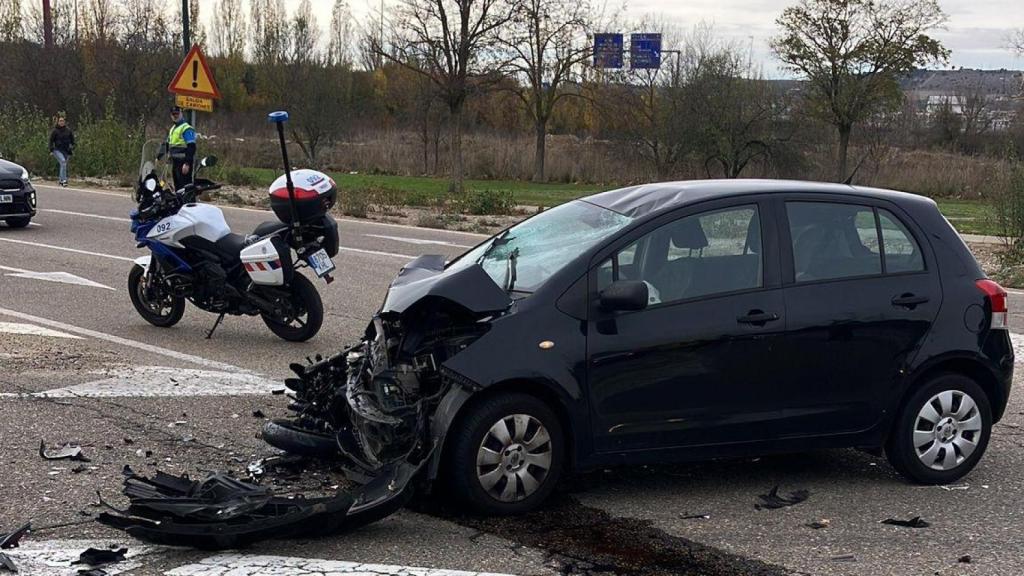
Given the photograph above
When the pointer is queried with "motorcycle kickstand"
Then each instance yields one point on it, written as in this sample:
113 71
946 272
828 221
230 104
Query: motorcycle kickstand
215 324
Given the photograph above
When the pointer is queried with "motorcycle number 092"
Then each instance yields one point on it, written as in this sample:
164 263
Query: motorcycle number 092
321 263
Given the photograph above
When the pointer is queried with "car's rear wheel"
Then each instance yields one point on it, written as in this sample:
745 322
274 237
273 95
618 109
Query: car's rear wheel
942 430
507 455
18 221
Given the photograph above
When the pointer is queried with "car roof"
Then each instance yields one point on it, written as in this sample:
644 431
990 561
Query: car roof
655 198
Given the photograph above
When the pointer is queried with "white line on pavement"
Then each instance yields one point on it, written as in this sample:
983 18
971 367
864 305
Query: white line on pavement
377 252
262 211
86 214
266 565
197 360
417 240
160 381
63 277
74 250
54 557
33 330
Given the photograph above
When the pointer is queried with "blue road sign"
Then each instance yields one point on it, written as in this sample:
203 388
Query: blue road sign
645 51
608 50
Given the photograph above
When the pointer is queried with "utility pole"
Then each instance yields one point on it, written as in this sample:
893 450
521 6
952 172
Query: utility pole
186 42
47 25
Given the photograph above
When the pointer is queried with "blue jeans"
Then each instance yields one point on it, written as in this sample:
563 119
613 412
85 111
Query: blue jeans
62 159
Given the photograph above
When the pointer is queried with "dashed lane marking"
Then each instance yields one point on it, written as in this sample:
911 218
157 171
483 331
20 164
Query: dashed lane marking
190 358
86 214
259 565
417 240
33 330
161 381
66 249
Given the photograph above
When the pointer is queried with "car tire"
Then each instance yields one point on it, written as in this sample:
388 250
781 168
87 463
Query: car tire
480 464
18 221
942 431
293 438
175 310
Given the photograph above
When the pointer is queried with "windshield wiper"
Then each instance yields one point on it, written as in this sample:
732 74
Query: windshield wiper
499 240
513 259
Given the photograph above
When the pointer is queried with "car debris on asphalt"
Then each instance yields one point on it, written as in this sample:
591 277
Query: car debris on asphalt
222 512
772 500
915 522
94 559
11 540
65 452
819 524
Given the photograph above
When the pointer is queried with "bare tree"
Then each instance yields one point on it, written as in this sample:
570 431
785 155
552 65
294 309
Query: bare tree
229 22
852 53
339 43
546 42
1017 41
268 33
10 20
452 43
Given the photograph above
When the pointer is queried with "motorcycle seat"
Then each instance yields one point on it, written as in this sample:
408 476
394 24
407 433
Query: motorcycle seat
231 246
269 227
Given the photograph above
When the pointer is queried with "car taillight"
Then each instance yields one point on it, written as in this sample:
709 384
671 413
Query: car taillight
997 299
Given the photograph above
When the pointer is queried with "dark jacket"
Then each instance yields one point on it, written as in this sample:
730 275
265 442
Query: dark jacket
63 139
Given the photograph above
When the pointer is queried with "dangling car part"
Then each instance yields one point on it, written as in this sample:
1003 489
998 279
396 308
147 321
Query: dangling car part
221 512
196 257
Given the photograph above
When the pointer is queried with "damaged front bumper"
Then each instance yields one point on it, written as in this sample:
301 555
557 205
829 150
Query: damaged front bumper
221 512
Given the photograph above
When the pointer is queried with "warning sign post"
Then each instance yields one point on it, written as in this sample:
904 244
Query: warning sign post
193 84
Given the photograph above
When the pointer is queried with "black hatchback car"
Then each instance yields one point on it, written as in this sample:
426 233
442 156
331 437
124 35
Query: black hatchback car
17 196
670 322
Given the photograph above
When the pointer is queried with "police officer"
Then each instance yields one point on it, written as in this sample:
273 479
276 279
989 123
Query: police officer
181 145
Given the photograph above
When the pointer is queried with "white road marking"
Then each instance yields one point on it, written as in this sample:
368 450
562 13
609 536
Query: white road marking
263 211
377 253
261 565
54 557
86 214
65 249
417 240
64 277
33 330
197 360
161 381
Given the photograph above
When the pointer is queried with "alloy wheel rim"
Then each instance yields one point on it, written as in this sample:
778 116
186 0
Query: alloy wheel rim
160 306
514 458
947 430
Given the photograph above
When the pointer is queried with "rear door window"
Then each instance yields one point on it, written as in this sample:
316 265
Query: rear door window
832 240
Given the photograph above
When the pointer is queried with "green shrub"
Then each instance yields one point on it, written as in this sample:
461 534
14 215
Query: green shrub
488 202
24 138
354 202
237 176
1008 206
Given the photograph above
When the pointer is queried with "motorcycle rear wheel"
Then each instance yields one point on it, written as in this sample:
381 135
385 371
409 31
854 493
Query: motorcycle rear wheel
307 313
165 312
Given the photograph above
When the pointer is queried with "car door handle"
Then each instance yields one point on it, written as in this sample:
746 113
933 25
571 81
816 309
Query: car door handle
908 300
757 318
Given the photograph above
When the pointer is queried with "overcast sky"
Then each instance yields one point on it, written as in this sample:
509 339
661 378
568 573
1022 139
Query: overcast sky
976 32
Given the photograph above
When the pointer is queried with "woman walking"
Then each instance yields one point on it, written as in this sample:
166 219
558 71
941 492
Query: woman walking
62 142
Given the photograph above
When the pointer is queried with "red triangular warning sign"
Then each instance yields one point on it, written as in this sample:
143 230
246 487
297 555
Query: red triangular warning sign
194 77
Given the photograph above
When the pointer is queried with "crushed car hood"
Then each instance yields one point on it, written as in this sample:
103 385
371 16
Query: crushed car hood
426 277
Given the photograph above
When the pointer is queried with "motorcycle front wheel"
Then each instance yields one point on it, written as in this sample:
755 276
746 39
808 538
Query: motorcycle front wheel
155 307
303 316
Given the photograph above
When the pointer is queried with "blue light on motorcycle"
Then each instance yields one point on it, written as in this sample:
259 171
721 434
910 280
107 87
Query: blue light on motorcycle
279 116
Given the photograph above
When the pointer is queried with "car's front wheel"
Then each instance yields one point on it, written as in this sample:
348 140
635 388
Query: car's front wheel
942 431
507 455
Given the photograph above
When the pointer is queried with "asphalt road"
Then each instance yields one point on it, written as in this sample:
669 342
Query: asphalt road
170 399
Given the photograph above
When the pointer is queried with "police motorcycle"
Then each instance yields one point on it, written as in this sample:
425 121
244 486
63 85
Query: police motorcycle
196 257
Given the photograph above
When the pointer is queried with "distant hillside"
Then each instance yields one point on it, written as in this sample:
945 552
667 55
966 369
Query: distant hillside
925 83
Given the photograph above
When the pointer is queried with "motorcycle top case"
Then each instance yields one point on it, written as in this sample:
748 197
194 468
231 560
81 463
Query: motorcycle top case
315 194
268 262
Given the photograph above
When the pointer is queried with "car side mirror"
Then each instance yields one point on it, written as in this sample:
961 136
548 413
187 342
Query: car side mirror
208 161
625 295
